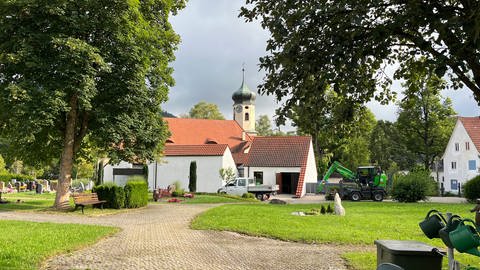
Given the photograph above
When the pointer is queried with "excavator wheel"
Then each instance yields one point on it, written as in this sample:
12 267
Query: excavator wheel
378 196
355 196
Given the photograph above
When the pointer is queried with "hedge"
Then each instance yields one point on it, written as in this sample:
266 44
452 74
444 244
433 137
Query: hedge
6 177
471 189
113 194
136 194
413 187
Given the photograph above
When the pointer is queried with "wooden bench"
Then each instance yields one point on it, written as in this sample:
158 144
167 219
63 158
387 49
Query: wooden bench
83 199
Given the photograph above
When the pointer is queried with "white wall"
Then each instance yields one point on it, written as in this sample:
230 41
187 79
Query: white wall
177 168
310 170
120 180
269 173
461 157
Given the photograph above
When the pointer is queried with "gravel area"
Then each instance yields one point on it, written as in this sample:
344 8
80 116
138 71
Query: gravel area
159 237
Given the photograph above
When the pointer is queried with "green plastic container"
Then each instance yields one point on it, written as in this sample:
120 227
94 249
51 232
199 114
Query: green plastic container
408 254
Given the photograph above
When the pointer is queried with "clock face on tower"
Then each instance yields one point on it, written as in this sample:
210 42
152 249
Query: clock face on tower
238 108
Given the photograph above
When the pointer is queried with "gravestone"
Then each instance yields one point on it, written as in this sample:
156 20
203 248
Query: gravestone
39 189
46 186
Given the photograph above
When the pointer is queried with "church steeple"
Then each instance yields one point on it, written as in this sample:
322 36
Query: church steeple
243 95
244 106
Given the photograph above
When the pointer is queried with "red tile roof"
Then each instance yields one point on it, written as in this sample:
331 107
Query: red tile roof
195 150
185 131
288 151
472 125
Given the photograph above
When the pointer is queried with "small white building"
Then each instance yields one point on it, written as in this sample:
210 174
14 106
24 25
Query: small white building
461 157
286 161
175 166
120 173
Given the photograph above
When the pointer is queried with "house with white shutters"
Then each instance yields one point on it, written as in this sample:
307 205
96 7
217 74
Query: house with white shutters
461 159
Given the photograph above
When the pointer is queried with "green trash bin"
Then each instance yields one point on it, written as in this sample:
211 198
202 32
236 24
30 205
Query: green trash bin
408 254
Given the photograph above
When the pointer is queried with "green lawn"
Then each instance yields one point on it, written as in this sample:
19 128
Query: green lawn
29 201
363 223
24 245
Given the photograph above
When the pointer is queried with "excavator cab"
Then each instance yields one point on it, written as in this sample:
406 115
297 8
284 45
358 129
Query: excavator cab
366 175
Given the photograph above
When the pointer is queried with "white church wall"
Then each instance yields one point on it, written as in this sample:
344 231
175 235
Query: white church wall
172 169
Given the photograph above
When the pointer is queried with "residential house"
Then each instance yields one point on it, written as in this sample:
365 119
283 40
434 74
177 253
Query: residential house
461 157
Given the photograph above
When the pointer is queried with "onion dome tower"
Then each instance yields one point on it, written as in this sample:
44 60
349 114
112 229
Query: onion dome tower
244 107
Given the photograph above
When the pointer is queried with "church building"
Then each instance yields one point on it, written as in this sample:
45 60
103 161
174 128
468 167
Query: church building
287 161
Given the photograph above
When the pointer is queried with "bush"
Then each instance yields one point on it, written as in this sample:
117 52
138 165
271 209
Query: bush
248 195
136 193
178 193
192 184
113 194
413 187
471 189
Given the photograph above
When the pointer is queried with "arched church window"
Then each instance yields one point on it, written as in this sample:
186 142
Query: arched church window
247 116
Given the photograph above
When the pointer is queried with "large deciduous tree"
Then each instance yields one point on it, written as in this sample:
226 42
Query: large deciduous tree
425 123
71 69
347 44
332 120
205 110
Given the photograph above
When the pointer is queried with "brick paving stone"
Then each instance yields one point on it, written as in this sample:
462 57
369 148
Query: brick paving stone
159 237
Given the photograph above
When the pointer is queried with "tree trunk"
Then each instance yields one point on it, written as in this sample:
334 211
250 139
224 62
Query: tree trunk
66 161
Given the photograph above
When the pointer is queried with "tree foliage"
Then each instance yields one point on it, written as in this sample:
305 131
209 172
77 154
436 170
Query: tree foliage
425 123
348 44
264 126
3 168
205 110
387 149
355 151
337 127
227 174
72 69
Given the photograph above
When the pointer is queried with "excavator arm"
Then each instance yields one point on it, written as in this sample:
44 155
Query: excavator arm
336 167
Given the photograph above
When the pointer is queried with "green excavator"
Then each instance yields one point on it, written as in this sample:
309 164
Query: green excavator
369 183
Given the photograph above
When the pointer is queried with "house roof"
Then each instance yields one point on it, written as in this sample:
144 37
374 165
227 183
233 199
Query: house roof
195 150
288 151
472 126
185 131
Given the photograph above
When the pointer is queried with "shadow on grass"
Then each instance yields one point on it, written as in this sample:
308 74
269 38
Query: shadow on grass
12 205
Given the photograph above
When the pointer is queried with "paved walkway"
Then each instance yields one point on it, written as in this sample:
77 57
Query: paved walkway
158 237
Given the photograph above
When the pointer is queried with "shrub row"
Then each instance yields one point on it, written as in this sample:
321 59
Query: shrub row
136 194
471 189
133 195
6 177
415 186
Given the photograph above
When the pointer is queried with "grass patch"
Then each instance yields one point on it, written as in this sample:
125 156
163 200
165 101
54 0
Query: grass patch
364 222
361 260
212 198
30 201
27 201
24 245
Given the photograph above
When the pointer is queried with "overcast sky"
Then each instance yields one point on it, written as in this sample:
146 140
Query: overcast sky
215 44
